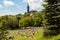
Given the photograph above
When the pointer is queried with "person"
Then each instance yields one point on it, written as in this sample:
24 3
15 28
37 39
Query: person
33 32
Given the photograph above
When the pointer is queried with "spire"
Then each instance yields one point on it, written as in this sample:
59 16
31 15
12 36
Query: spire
27 8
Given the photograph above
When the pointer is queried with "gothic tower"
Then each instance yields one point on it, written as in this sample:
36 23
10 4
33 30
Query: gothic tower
28 8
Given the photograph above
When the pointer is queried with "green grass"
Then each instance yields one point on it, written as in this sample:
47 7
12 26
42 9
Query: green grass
52 38
36 36
39 35
56 37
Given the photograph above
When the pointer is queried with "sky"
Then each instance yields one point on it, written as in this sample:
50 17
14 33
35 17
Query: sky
14 7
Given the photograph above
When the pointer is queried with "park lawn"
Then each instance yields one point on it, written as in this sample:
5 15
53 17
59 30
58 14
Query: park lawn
38 36
52 38
20 38
56 37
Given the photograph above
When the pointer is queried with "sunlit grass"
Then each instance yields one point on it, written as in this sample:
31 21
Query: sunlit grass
36 36
52 38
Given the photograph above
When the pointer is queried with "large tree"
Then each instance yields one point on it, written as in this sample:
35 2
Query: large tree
53 17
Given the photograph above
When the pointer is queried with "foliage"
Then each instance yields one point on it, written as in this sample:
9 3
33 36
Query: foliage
10 22
53 17
37 19
25 22
3 32
32 20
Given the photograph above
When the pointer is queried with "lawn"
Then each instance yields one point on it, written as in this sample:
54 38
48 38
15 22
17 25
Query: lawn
52 38
27 34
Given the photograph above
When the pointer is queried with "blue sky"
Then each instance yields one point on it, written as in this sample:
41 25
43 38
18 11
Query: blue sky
13 7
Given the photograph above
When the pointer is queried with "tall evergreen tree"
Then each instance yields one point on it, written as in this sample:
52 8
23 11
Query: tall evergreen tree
53 17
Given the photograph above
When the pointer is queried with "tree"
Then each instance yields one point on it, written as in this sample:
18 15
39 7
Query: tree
3 32
25 22
37 19
52 17
11 22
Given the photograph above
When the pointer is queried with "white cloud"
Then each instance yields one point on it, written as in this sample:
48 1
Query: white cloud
35 4
1 6
8 3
